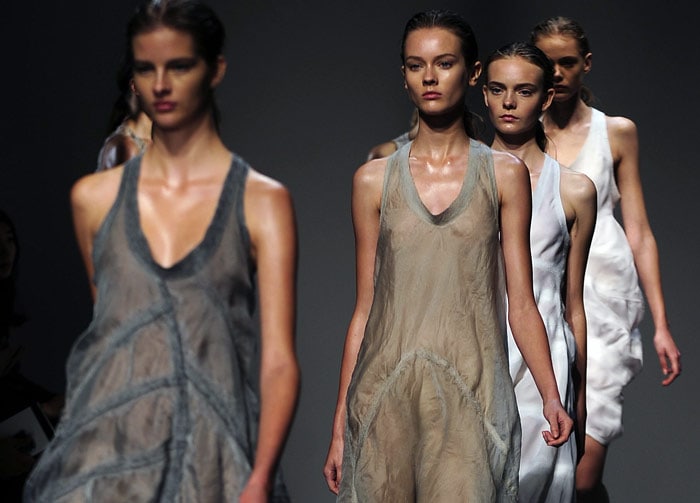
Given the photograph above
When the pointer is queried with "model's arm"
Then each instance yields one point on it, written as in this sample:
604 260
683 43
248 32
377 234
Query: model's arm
523 316
382 150
579 198
91 198
116 150
366 200
271 224
625 146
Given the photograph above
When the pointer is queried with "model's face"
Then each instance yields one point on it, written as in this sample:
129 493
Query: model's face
435 73
8 250
172 81
514 95
569 66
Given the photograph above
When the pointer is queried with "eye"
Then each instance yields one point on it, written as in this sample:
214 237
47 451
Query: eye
568 62
495 90
413 67
181 66
445 64
141 68
526 92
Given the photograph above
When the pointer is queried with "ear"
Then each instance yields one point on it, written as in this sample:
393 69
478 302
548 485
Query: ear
403 73
475 73
484 91
587 62
548 99
132 87
219 71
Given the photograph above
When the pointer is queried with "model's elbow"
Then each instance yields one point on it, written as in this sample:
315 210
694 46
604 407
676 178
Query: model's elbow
282 368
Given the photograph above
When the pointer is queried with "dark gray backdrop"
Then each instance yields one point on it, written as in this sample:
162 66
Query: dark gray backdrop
311 86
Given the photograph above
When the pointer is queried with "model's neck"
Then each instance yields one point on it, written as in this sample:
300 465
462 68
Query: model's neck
187 149
562 114
440 138
523 147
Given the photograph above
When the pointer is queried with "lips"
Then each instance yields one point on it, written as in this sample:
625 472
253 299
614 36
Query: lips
431 95
164 106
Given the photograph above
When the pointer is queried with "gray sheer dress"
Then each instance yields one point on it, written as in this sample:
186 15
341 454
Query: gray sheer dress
162 394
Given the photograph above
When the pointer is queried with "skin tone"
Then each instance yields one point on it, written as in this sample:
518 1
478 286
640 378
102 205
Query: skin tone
515 98
567 123
436 78
182 176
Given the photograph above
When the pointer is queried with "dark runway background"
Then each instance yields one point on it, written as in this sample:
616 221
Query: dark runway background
310 87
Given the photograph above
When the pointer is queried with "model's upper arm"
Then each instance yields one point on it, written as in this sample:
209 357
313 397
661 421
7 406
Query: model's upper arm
271 222
515 198
91 198
116 150
624 144
366 202
382 150
580 204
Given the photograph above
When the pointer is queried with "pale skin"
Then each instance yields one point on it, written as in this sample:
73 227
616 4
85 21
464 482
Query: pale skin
567 123
515 98
436 77
182 176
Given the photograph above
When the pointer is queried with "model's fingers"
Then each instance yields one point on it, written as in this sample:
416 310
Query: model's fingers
332 475
670 365
554 426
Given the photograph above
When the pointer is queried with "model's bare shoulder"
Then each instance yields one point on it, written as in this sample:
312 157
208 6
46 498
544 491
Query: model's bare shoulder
370 174
268 204
269 216
508 167
368 182
577 186
621 128
265 190
94 194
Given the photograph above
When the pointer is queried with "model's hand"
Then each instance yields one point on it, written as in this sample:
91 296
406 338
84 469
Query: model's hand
669 356
255 492
560 424
332 470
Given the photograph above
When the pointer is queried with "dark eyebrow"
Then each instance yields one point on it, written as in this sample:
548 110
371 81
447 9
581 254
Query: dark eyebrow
185 59
520 85
447 54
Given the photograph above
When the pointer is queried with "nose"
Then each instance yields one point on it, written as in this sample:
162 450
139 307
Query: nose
509 100
429 77
557 74
161 85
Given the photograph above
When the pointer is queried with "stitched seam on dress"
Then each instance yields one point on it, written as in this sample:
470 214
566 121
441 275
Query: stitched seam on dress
107 469
119 339
451 371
